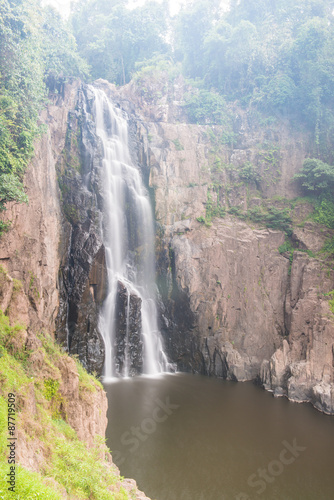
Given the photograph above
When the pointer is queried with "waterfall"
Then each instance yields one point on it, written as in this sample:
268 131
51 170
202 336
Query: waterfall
128 320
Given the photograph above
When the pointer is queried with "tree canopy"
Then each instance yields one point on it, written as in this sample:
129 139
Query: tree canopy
113 38
33 43
275 56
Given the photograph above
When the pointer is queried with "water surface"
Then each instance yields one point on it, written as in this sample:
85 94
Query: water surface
187 437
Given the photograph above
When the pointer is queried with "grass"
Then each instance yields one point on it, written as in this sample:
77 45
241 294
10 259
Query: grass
331 301
68 463
29 486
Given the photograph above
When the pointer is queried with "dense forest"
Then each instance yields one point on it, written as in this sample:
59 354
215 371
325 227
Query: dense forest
274 57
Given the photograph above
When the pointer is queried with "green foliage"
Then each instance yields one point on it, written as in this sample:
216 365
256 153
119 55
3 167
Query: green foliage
190 30
158 66
275 56
113 38
270 217
59 49
71 465
35 44
213 209
29 486
86 381
178 145
289 249
238 212
249 173
4 227
11 189
82 472
316 176
331 302
328 247
286 247
52 394
324 212
277 94
10 339
203 106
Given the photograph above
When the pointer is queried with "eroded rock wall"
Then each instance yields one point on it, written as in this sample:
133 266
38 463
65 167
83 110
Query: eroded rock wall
232 305
128 340
52 256
30 250
30 256
83 275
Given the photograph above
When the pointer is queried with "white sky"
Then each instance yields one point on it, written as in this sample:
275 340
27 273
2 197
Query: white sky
64 5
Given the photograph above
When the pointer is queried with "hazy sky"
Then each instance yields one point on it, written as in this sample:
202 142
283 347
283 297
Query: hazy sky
64 5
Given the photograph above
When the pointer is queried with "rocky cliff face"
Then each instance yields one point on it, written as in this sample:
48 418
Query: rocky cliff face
128 341
83 280
52 278
231 304
29 293
29 251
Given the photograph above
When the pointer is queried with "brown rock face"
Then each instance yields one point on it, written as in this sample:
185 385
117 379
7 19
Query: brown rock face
231 304
39 243
29 251
29 292
230 274
83 275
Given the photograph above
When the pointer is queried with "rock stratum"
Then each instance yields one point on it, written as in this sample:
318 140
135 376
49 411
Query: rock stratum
231 304
52 282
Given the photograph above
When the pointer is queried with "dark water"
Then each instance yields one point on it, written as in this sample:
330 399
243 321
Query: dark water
187 437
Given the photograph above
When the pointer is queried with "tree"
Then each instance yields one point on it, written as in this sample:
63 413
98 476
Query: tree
113 38
191 28
316 177
59 49
33 41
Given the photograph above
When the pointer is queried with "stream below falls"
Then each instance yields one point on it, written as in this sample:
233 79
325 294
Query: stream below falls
188 437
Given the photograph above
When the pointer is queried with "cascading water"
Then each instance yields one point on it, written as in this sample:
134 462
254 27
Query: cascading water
129 244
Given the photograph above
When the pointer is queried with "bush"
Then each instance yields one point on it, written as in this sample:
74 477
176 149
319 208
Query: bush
270 217
248 173
316 176
328 247
203 106
324 213
286 247
11 189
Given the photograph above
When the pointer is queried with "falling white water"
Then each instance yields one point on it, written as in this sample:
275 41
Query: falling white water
129 242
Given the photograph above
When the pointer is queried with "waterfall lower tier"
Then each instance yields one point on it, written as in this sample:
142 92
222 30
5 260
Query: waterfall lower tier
128 321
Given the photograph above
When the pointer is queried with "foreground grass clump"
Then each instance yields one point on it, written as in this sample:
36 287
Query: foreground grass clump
66 464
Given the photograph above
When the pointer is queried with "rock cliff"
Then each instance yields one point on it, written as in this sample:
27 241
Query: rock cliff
231 304
83 280
52 279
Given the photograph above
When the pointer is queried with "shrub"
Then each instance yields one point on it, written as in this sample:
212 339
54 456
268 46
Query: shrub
203 106
324 213
286 247
316 176
249 173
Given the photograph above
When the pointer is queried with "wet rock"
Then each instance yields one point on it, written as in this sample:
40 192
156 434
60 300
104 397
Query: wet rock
83 274
128 343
